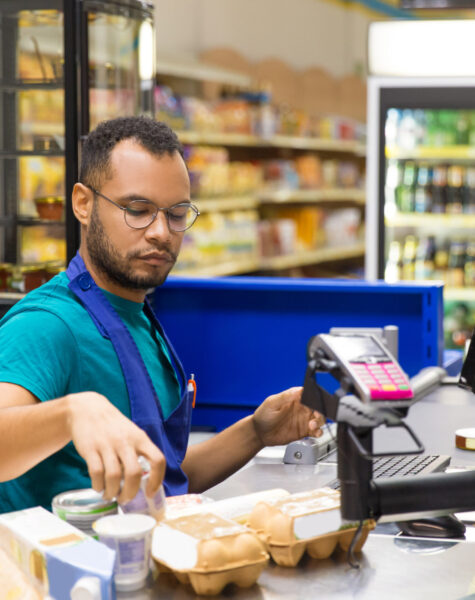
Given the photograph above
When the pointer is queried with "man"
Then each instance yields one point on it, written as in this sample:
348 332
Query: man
88 380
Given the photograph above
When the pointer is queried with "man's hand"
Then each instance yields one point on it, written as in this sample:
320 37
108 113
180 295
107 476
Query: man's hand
281 419
111 444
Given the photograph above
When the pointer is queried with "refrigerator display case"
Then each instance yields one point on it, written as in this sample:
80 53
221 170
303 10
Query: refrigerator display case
421 189
65 65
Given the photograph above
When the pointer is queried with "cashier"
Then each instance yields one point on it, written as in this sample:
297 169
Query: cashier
88 379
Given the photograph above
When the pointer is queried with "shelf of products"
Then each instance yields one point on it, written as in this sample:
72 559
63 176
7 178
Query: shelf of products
275 263
429 207
38 232
276 141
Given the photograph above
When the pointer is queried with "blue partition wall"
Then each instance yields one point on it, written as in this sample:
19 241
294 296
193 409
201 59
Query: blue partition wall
246 338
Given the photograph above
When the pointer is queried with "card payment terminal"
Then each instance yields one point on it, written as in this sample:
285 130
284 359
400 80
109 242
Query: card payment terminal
372 369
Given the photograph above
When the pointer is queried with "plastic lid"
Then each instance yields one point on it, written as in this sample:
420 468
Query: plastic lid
86 588
84 502
124 526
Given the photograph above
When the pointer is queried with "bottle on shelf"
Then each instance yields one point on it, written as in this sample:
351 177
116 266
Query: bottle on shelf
441 261
439 189
425 259
409 257
394 173
456 264
462 130
393 270
469 199
423 189
407 188
455 189
469 267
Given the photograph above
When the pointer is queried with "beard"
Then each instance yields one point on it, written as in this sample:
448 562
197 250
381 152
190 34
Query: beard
115 267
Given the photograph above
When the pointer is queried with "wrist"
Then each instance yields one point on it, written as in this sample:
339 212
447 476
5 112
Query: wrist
256 438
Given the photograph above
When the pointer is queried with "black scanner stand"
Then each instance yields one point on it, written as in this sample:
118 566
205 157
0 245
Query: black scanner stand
362 497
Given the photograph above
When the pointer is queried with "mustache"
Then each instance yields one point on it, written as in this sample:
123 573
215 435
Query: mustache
172 256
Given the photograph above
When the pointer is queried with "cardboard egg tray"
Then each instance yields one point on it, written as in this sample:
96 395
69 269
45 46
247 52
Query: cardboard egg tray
208 551
307 521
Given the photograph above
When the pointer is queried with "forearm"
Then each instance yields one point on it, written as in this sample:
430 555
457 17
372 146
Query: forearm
210 462
31 433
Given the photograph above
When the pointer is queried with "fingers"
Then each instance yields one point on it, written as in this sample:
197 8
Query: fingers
96 470
131 475
157 469
112 474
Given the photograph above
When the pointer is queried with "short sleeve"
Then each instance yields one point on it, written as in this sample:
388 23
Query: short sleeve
37 351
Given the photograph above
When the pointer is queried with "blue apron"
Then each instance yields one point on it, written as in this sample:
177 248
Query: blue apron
170 435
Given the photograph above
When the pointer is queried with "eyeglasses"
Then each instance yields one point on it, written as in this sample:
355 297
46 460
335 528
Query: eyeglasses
139 214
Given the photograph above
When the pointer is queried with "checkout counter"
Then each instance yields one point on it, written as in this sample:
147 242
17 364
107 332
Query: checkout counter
391 566
225 328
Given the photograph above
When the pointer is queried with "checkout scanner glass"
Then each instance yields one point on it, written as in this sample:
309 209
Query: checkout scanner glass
467 374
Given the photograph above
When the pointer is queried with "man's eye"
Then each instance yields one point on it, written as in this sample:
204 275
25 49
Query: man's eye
138 209
178 214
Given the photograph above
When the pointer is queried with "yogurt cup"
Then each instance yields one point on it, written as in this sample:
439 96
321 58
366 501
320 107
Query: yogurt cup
130 535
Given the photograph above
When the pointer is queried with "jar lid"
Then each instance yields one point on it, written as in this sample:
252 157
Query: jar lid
49 200
82 502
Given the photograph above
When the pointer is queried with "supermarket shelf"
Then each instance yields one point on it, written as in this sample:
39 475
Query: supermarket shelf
433 153
275 263
226 203
235 267
40 84
312 257
278 141
461 221
34 221
11 296
20 153
463 294
189 68
320 195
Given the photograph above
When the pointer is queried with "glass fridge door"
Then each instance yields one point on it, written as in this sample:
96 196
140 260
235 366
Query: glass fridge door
121 60
32 162
428 188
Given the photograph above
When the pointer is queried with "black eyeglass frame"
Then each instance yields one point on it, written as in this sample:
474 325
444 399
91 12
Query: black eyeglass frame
157 210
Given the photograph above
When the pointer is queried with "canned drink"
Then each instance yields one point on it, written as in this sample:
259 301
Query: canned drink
82 507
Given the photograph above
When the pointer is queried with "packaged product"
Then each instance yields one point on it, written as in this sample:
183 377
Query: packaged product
54 555
304 521
208 551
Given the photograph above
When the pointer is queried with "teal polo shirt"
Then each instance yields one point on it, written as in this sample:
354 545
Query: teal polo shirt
50 346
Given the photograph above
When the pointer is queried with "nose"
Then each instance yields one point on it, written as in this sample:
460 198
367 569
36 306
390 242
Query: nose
158 229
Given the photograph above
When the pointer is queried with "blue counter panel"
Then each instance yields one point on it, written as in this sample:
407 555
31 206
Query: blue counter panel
245 338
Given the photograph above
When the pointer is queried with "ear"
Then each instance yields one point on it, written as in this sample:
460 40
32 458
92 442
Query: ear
82 200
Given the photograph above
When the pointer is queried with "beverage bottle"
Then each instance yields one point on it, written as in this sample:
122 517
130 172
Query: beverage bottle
393 270
391 127
441 261
462 128
406 194
439 189
469 267
454 189
407 131
425 259
469 198
421 127
409 257
392 187
423 191
456 265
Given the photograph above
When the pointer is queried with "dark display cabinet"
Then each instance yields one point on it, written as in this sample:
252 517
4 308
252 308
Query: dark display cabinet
65 65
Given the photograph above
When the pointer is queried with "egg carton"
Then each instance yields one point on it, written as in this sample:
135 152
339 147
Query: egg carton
208 552
307 521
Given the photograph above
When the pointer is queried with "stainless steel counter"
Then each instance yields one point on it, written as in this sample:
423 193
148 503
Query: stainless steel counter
391 567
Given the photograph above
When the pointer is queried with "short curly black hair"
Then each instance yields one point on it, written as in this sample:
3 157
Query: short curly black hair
154 136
